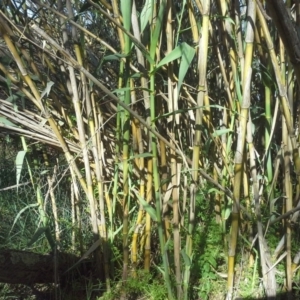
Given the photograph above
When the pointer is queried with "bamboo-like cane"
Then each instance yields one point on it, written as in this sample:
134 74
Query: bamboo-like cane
202 65
287 182
239 160
125 123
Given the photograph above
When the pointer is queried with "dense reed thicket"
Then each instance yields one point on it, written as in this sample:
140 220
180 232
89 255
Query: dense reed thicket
176 125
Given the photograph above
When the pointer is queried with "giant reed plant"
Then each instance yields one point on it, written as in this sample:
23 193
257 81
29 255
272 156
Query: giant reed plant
162 101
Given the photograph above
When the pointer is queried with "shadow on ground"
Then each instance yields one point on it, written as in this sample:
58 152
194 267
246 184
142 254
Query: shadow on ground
281 296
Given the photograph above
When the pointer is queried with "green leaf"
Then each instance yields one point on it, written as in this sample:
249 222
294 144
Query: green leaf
5 59
136 75
146 206
188 54
221 131
174 54
214 190
230 20
146 13
212 261
44 172
50 238
206 268
7 122
12 98
20 212
121 90
238 88
180 30
36 236
116 56
273 201
115 233
160 270
47 89
157 30
227 213
186 258
34 77
166 246
126 6
19 164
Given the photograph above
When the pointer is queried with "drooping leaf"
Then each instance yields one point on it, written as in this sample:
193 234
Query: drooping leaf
146 206
36 236
188 54
85 255
50 238
174 54
20 213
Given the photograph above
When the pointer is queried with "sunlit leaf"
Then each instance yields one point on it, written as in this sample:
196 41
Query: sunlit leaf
126 13
47 89
146 14
188 54
219 132
157 29
227 213
175 54
19 164
115 233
